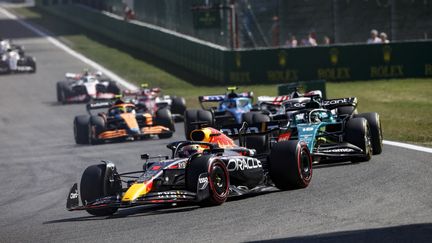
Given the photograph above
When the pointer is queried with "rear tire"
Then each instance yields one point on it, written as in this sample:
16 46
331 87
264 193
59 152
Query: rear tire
96 127
259 143
60 91
290 165
218 179
113 88
191 116
93 186
81 129
375 130
178 105
357 133
164 118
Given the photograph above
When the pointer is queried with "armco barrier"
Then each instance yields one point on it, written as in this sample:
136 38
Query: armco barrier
219 65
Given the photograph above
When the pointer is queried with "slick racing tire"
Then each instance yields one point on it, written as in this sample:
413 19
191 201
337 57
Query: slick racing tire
113 88
259 142
60 91
375 130
164 118
217 178
357 132
32 63
96 126
81 129
178 105
93 186
290 165
191 116
347 110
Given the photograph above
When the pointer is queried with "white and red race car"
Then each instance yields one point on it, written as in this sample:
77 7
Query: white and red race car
85 87
151 100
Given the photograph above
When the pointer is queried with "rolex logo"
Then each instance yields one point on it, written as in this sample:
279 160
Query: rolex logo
387 54
334 56
238 59
282 58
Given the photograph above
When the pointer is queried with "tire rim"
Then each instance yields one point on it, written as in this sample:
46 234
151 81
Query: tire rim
219 181
305 164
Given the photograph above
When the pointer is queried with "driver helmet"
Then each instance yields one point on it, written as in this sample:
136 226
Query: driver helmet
315 117
189 150
98 74
117 110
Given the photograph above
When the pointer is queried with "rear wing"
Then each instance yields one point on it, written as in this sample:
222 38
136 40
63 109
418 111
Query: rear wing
245 129
335 103
274 100
99 105
72 76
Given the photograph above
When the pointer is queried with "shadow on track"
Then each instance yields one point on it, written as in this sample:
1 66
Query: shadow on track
403 233
140 211
156 209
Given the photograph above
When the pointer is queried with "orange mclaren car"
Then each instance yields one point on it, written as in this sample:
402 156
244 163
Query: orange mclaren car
120 122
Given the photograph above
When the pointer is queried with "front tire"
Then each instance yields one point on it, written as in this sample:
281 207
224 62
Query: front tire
290 165
218 179
93 186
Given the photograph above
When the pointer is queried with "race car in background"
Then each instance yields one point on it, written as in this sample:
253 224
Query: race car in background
14 60
332 129
120 123
205 171
86 86
229 110
150 100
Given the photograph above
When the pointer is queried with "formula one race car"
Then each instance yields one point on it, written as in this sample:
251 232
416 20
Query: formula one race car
121 122
230 110
150 100
205 171
13 62
331 129
85 87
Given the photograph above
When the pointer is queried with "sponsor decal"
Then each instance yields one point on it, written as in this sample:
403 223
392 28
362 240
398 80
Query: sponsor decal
24 68
339 150
73 195
249 130
171 194
338 101
202 181
242 163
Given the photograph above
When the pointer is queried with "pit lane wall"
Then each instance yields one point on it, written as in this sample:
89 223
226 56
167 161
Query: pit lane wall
220 65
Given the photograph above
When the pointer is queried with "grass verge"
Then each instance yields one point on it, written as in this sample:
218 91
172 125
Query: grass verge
403 104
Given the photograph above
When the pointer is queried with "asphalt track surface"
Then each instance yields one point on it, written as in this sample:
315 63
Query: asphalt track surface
386 199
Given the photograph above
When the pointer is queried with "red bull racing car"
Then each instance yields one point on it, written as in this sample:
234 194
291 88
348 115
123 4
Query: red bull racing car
206 170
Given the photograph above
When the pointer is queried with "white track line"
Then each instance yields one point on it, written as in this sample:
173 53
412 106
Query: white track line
128 85
68 50
408 146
